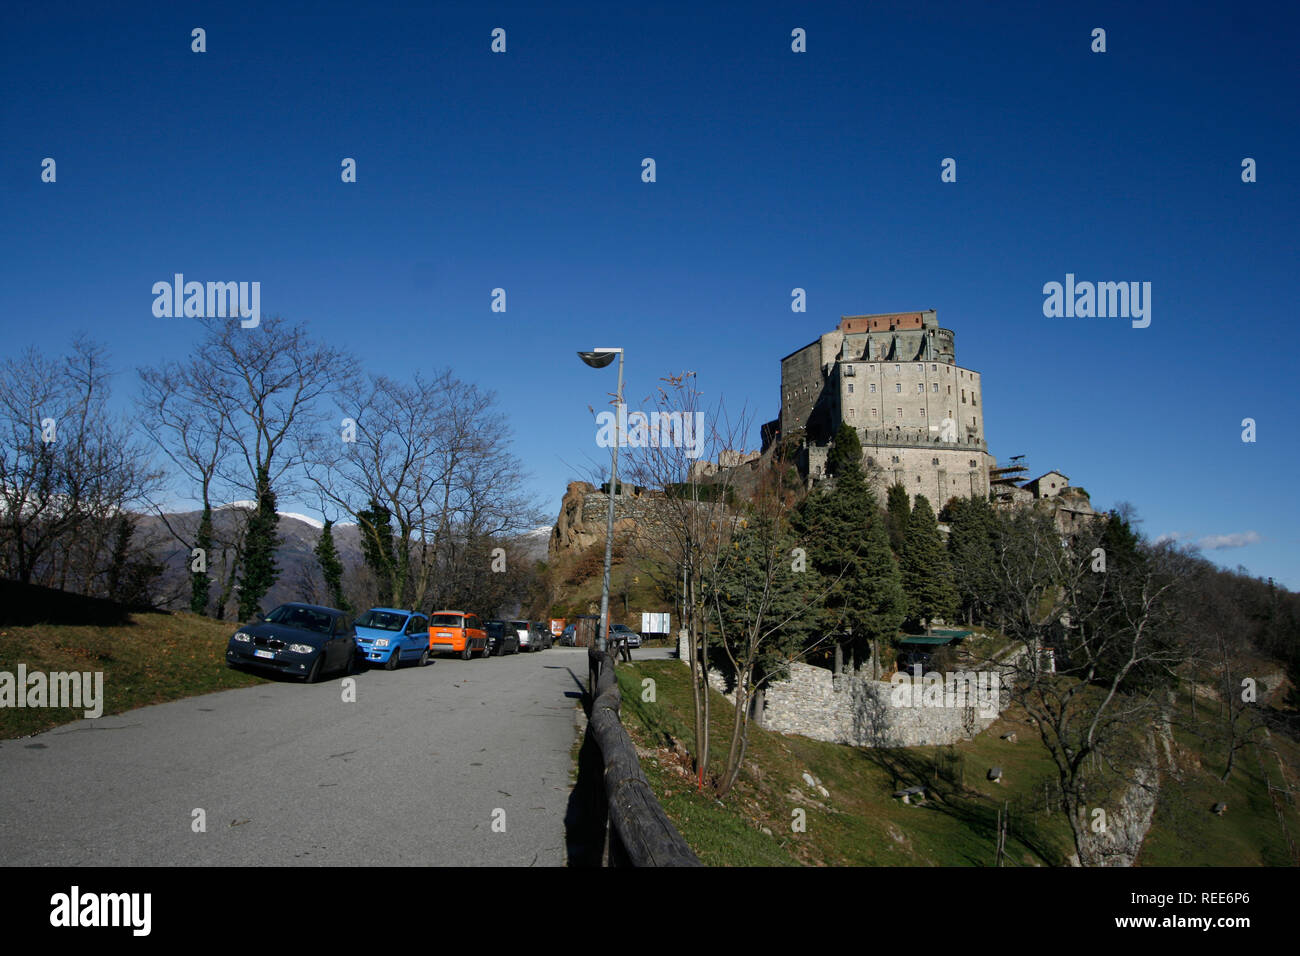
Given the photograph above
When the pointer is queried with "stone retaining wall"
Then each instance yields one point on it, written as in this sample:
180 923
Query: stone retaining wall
865 713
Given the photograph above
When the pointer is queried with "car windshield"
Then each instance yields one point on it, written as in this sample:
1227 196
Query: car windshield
495 628
519 625
306 618
382 620
446 620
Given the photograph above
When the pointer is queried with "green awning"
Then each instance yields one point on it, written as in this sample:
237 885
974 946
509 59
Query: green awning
926 640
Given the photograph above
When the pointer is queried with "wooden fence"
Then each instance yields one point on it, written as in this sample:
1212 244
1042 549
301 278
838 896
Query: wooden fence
640 833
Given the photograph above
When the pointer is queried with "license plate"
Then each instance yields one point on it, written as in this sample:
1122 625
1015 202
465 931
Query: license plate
443 634
269 655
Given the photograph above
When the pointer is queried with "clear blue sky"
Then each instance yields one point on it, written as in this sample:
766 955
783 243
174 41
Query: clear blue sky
775 170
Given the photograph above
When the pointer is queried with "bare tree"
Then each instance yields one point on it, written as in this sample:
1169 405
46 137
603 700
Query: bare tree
435 456
240 411
759 601
1099 650
183 421
683 523
68 468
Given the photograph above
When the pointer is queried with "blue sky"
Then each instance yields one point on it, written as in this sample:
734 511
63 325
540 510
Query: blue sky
775 170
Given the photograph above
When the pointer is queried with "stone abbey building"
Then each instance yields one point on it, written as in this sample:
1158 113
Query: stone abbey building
895 378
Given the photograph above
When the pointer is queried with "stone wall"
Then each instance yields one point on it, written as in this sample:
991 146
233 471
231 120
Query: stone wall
584 512
866 713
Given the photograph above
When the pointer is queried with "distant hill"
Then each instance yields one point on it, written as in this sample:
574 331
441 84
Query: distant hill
295 556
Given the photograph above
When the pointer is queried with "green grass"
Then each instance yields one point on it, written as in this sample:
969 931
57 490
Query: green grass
155 658
863 824
1184 831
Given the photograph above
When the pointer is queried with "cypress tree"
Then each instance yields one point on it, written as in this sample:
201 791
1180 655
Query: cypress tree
378 547
331 568
259 572
927 574
201 581
123 531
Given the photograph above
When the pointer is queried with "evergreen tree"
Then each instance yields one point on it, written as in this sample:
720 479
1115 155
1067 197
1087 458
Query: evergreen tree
970 550
846 448
848 547
123 530
927 574
331 568
378 547
898 511
201 581
759 597
260 539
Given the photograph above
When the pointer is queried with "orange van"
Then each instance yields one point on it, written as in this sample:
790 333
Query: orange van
458 632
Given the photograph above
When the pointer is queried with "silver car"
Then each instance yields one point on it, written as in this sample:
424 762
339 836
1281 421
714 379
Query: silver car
621 632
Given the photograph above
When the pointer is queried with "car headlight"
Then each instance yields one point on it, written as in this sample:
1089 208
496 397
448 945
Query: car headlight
381 642
243 638
301 648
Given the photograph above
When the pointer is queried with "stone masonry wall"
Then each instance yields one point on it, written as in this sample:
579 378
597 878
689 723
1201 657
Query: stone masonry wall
866 713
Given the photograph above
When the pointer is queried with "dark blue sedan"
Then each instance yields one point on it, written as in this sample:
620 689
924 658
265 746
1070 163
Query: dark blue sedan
301 640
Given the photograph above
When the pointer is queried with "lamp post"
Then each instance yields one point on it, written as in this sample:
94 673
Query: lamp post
600 358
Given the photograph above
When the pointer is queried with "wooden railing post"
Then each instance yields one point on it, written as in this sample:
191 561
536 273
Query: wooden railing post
640 833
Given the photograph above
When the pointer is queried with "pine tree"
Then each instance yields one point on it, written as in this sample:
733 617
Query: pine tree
927 574
843 532
970 550
260 539
331 568
898 511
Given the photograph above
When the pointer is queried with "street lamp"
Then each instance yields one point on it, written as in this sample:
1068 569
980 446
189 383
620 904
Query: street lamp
600 358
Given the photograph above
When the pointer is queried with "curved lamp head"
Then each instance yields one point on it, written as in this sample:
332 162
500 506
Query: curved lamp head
599 358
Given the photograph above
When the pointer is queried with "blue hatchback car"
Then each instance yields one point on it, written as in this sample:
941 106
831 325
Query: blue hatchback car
388 636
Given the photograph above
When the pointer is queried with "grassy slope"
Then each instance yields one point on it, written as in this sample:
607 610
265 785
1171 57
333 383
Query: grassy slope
863 824
1185 833
155 658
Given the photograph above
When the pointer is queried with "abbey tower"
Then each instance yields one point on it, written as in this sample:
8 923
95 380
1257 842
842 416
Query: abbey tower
895 378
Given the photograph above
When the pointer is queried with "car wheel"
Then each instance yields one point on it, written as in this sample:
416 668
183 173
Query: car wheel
394 659
468 652
313 675
486 651
424 658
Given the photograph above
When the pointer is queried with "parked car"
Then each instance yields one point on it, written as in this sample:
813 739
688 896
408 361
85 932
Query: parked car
458 632
524 629
502 638
388 636
569 635
542 637
302 640
621 632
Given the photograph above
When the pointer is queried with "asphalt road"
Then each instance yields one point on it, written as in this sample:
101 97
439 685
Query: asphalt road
415 772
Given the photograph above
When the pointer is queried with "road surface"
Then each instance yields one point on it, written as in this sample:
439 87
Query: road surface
456 763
